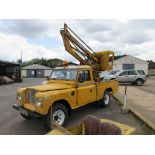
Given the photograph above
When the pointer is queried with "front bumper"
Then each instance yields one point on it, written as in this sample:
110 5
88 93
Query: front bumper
30 113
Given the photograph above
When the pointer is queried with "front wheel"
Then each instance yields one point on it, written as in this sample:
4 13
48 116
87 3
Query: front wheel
139 82
105 101
58 114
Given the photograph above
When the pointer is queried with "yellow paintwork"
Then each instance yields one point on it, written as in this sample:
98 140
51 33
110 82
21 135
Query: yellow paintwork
30 107
104 59
80 129
61 90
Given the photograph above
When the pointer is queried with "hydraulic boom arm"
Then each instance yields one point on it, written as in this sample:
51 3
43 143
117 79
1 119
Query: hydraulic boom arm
99 61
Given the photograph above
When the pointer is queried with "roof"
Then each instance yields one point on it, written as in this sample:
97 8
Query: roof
36 66
119 57
122 56
75 67
7 63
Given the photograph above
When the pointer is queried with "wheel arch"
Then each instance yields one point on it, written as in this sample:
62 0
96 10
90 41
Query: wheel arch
139 79
109 90
65 103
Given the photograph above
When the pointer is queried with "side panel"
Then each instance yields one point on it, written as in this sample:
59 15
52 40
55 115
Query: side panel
86 94
102 86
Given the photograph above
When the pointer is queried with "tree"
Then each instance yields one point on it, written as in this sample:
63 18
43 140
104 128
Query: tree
45 62
151 64
19 61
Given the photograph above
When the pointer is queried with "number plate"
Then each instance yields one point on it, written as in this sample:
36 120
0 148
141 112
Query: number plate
24 112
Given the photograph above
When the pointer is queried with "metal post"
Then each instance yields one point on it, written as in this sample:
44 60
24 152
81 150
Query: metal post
125 108
125 97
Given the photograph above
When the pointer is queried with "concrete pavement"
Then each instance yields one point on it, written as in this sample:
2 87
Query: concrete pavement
140 102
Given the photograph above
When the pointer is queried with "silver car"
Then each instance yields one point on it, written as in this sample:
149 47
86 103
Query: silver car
137 77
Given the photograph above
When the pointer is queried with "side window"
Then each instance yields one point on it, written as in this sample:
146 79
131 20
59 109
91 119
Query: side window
132 73
84 76
87 75
123 73
81 76
141 72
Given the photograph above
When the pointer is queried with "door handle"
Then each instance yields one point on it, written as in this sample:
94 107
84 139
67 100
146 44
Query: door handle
91 90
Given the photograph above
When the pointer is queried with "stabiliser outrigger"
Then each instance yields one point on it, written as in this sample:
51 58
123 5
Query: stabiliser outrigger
99 61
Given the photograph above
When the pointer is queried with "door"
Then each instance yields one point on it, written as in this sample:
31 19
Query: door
30 73
123 77
132 76
39 73
86 88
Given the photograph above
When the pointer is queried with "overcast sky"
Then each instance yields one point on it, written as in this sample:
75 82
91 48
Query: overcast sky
41 38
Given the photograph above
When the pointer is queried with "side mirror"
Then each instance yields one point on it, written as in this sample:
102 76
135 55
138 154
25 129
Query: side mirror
80 80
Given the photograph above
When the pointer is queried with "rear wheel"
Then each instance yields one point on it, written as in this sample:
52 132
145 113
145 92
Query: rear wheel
139 82
105 101
59 114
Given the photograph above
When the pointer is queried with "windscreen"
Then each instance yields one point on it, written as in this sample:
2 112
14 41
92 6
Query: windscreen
64 74
112 72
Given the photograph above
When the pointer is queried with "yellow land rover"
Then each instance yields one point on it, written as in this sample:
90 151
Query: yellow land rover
67 88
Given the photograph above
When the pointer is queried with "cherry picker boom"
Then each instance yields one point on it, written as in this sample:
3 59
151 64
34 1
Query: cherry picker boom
99 61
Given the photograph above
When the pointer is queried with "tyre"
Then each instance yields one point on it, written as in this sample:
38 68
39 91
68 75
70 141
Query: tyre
26 117
59 114
139 82
105 101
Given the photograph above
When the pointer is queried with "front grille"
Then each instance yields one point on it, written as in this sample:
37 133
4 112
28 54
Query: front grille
31 96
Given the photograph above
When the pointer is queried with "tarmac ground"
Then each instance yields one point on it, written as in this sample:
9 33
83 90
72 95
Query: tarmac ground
11 123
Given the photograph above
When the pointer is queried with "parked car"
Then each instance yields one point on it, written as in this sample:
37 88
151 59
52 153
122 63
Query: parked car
137 77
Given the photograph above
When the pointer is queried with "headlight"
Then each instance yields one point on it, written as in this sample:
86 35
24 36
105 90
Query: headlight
19 97
38 102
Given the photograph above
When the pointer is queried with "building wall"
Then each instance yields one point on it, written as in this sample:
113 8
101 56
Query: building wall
47 73
139 64
26 73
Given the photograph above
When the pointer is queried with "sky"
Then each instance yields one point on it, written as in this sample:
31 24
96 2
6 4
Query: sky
41 38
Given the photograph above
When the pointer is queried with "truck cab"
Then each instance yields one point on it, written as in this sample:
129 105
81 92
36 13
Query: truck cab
67 88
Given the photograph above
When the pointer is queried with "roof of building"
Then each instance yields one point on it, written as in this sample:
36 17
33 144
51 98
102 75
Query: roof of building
7 63
119 57
36 66
122 56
